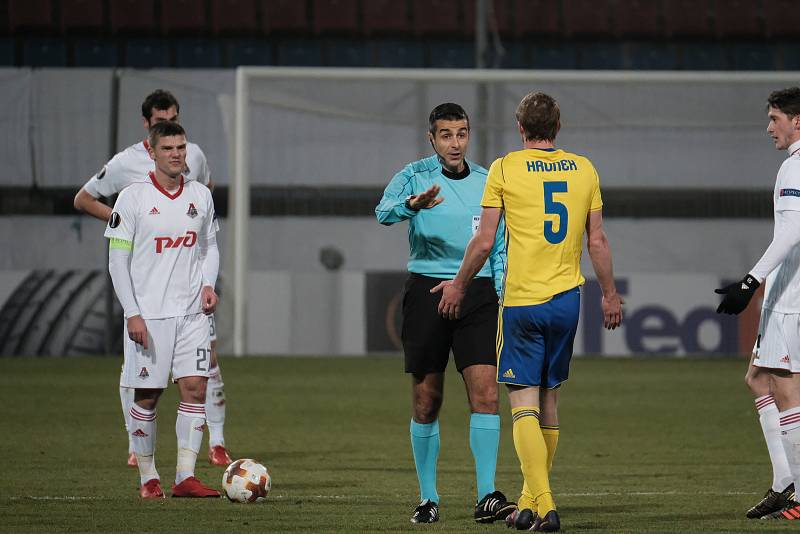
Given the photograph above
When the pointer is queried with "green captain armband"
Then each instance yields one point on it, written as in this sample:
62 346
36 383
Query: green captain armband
116 243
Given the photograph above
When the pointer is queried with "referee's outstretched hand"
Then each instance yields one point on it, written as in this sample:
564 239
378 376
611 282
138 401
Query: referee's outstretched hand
452 295
426 200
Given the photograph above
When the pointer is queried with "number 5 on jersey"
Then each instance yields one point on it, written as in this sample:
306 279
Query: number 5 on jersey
553 207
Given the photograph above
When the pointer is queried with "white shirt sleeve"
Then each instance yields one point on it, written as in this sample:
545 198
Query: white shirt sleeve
786 237
119 269
204 173
122 222
108 180
209 252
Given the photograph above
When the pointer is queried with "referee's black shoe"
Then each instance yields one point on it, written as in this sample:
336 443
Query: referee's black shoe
493 507
772 502
426 512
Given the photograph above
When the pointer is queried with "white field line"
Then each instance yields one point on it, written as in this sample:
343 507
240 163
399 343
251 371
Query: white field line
363 497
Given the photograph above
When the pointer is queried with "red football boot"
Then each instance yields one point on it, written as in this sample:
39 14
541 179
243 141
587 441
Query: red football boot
132 462
151 490
191 487
217 455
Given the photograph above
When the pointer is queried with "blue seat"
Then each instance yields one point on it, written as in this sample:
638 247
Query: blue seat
653 56
299 53
753 56
146 53
554 56
451 54
704 56
348 53
44 52
248 52
7 52
95 53
399 54
515 56
601 56
790 56
197 54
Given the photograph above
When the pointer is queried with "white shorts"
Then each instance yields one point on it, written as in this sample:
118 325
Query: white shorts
212 323
778 342
177 345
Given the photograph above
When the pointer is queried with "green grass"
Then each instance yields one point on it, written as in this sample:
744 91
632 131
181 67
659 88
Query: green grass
646 446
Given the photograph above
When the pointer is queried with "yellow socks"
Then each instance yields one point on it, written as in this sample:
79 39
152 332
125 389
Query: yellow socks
532 452
550 435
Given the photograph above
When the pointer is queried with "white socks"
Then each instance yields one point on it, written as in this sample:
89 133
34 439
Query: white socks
770 426
189 428
126 399
215 408
790 434
142 432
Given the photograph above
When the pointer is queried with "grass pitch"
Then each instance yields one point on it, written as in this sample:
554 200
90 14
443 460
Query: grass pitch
646 446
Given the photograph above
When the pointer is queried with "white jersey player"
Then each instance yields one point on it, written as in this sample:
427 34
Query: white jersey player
774 373
132 165
163 260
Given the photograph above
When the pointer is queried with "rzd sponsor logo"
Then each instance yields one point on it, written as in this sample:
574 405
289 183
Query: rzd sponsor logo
188 241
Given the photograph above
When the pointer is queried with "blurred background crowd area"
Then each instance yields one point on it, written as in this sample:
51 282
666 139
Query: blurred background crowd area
525 34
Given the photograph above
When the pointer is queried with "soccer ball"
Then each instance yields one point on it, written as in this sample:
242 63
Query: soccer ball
246 481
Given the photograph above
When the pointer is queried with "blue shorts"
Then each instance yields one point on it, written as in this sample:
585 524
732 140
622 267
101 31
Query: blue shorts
534 343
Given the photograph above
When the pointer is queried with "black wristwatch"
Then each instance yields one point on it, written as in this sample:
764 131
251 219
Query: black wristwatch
408 203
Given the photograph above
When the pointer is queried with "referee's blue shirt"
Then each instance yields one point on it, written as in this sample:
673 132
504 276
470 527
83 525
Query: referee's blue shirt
438 236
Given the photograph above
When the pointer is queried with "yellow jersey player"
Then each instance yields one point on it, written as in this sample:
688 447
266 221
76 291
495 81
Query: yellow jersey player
549 198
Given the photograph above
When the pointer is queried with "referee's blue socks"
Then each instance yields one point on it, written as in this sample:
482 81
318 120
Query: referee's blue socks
425 445
484 440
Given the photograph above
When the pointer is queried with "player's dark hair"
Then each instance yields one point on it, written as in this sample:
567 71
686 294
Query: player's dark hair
164 129
539 116
446 112
786 100
161 100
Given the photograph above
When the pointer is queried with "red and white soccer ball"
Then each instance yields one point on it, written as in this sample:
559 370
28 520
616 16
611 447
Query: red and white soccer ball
246 481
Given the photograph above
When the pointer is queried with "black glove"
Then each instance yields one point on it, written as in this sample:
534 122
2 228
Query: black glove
737 295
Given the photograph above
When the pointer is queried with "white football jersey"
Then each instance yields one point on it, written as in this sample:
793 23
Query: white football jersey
783 284
134 164
166 230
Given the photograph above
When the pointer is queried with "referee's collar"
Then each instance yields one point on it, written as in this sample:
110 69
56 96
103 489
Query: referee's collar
456 175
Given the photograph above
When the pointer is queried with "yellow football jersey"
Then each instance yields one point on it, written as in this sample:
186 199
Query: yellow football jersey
546 195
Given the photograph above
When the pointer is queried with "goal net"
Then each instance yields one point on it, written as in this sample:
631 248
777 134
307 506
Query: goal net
353 128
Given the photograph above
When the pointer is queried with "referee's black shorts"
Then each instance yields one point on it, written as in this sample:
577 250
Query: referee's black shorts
428 337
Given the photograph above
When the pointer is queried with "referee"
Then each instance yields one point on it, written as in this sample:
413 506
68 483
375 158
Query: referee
439 229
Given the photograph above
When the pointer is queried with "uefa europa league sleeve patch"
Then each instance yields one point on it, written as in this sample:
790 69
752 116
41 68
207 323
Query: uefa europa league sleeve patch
114 220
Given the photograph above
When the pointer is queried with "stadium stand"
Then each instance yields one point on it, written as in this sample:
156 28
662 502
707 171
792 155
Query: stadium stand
386 17
30 16
499 21
184 17
284 16
234 17
687 18
84 16
132 17
587 18
738 18
95 52
44 52
561 34
335 17
439 18
781 18
540 20
636 18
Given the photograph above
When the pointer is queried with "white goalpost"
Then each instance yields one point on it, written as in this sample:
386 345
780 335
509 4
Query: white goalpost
355 127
